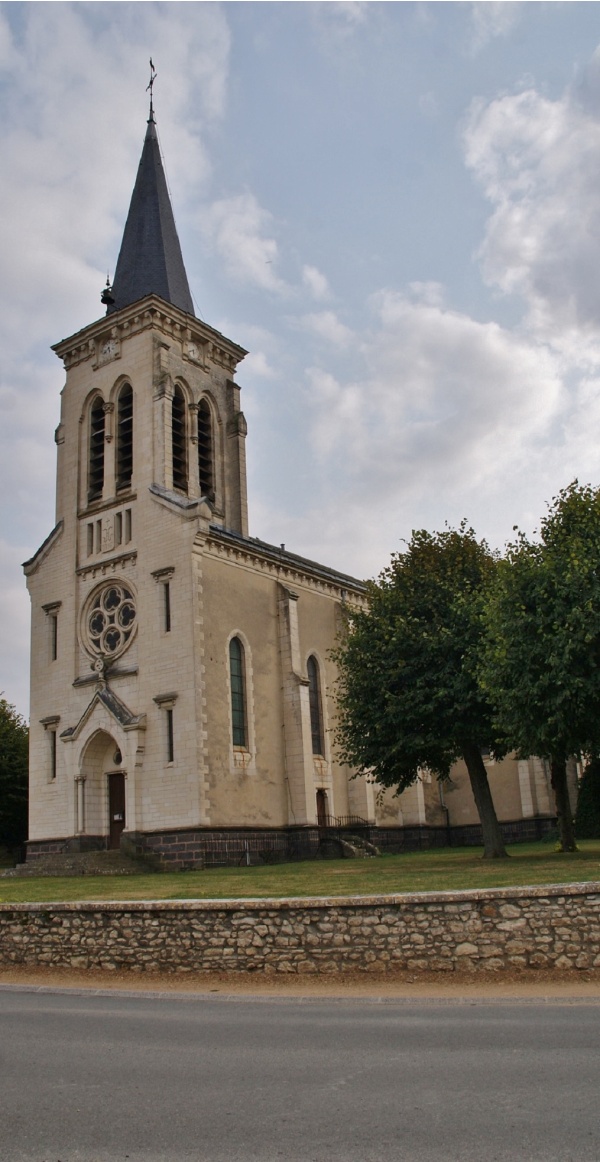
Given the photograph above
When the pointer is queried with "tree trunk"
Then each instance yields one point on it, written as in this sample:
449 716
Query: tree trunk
493 844
558 778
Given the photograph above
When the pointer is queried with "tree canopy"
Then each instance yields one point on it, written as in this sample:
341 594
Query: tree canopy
541 661
408 694
14 741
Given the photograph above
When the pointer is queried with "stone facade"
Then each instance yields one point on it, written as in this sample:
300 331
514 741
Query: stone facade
474 931
93 717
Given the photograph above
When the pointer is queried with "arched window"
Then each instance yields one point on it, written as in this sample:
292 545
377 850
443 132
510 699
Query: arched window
179 440
124 437
205 452
238 692
314 699
96 456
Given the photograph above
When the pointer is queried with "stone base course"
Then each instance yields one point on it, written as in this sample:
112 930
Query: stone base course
478 931
199 847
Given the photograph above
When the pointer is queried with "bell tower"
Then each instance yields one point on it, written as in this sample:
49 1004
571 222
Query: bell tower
151 457
181 676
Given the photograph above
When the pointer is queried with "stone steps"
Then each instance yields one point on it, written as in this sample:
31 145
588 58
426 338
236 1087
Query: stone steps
83 863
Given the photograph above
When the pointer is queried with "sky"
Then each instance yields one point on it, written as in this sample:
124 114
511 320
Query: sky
395 207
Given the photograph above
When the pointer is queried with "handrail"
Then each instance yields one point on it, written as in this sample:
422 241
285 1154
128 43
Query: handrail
341 822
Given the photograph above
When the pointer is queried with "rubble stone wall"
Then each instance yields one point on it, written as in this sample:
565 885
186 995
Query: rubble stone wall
503 928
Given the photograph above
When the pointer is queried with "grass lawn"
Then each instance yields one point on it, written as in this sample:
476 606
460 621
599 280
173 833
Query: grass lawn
445 870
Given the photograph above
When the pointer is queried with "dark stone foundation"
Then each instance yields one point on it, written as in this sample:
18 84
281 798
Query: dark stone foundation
71 845
185 849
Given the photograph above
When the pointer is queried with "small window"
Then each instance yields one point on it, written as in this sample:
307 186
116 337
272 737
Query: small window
167 607
238 692
53 636
125 437
52 743
205 452
179 441
128 525
96 453
90 538
119 528
316 713
170 736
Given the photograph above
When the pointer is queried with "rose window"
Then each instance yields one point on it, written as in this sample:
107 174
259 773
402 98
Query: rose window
109 620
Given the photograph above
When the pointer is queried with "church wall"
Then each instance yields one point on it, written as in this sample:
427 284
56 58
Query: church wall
170 789
319 618
48 802
238 601
452 803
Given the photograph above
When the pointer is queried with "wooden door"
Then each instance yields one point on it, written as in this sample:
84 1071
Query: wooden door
116 808
322 813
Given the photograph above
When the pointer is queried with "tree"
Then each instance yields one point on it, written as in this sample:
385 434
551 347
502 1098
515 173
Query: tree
408 695
14 741
587 819
541 659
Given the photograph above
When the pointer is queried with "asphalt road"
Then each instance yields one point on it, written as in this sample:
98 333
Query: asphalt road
98 1078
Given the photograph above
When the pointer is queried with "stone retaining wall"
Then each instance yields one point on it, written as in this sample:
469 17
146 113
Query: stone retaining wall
529 928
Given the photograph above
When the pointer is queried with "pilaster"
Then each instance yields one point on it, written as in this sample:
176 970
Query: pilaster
299 767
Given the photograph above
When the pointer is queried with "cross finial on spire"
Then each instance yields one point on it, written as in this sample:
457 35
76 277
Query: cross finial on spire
150 86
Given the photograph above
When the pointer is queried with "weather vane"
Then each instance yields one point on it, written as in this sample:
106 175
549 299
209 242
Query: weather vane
150 87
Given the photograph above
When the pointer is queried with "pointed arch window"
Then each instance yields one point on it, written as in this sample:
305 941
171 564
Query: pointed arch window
96 450
124 437
316 710
206 474
179 440
237 681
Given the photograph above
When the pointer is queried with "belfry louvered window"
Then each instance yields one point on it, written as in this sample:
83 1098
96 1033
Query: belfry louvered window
316 712
238 692
124 437
96 455
205 452
179 441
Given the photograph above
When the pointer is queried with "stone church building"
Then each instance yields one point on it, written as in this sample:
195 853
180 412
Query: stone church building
182 685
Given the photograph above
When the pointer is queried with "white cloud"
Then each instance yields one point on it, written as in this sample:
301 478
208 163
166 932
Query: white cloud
339 19
441 391
316 283
430 292
491 19
538 161
238 227
257 364
327 326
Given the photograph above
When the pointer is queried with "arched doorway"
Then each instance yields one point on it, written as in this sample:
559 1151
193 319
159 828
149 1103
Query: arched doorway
100 807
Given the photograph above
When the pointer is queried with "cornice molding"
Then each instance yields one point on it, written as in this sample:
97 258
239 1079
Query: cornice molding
114 502
101 341
101 568
285 570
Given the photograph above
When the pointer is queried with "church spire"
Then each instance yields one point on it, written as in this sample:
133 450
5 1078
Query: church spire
150 259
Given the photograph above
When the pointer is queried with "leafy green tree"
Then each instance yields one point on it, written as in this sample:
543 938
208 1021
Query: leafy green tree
541 658
14 740
408 695
587 818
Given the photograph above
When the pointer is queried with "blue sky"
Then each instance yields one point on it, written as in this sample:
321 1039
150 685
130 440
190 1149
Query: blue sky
395 207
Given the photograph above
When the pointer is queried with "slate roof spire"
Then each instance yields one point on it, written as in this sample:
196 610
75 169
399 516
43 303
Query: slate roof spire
150 259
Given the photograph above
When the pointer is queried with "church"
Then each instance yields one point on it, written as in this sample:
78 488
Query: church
182 688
